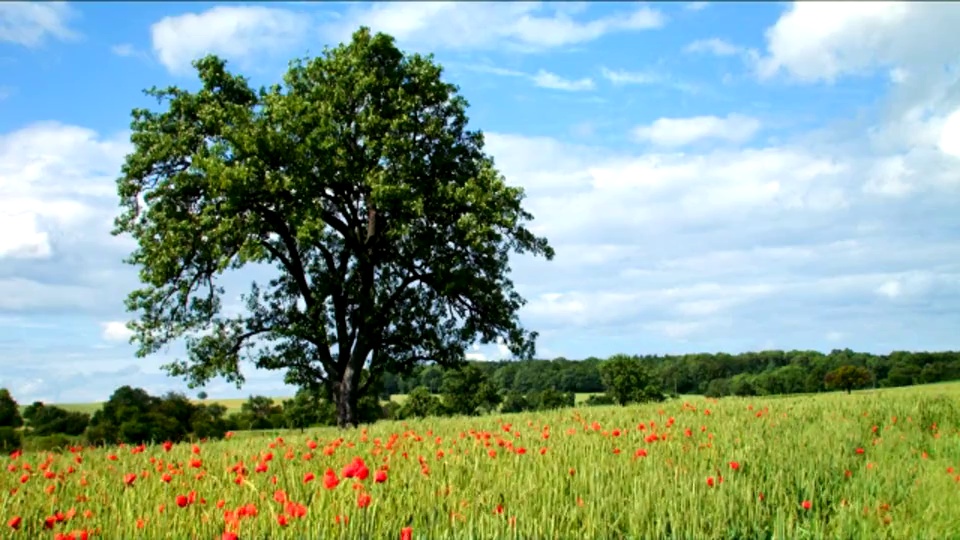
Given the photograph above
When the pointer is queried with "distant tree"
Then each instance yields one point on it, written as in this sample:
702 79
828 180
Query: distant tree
133 416
202 396
389 227
514 402
420 403
261 412
549 398
209 421
306 409
848 378
467 391
627 380
9 410
44 420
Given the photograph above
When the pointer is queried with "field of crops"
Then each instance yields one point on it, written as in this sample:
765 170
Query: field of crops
881 464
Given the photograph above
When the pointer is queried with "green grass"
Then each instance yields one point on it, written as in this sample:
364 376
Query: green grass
444 483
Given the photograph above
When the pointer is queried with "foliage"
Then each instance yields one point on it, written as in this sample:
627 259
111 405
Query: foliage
261 412
305 410
627 380
10 439
515 402
46 420
600 399
9 410
133 416
848 378
358 180
421 404
466 390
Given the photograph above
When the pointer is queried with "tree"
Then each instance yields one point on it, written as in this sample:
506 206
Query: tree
45 420
467 391
261 412
848 378
202 396
627 380
420 403
9 410
358 181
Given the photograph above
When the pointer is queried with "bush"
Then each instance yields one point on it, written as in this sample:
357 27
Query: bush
515 402
10 439
58 442
391 410
600 399
551 399
420 403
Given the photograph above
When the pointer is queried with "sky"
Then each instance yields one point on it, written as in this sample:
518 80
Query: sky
713 176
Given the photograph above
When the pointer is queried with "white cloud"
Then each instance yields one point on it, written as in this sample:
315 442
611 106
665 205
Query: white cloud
890 289
126 50
30 23
714 46
51 176
834 335
621 77
115 331
21 236
481 25
545 79
674 132
696 6
821 41
240 33
949 142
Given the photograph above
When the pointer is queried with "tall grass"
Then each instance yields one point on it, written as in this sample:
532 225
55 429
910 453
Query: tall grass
879 464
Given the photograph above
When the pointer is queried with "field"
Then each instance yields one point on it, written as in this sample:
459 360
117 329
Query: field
232 405
878 464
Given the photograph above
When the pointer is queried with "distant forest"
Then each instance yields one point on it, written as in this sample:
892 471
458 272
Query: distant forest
713 375
133 416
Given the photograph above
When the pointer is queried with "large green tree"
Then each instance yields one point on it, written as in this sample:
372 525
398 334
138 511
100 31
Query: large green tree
358 180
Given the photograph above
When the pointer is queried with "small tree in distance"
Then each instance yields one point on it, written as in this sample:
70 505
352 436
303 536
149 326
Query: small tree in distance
848 378
627 380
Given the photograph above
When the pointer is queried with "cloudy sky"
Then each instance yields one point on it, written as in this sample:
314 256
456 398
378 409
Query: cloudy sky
713 177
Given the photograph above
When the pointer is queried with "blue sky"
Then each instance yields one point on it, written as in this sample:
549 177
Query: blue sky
714 177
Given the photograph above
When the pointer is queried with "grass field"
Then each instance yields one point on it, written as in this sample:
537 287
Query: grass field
877 464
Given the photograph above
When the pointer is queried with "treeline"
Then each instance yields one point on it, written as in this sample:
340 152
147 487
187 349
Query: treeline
714 375
133 416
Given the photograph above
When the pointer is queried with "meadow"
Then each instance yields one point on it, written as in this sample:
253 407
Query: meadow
874 464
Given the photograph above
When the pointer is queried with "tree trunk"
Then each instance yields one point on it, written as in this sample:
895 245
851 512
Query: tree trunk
346 398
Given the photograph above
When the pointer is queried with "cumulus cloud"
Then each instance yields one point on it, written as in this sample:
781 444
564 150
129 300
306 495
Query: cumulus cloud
53 179
949 142
688 247
240 33
674 132
821 41
115 331
30 23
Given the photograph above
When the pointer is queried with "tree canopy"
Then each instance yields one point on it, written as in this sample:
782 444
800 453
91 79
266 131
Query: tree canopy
359 181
